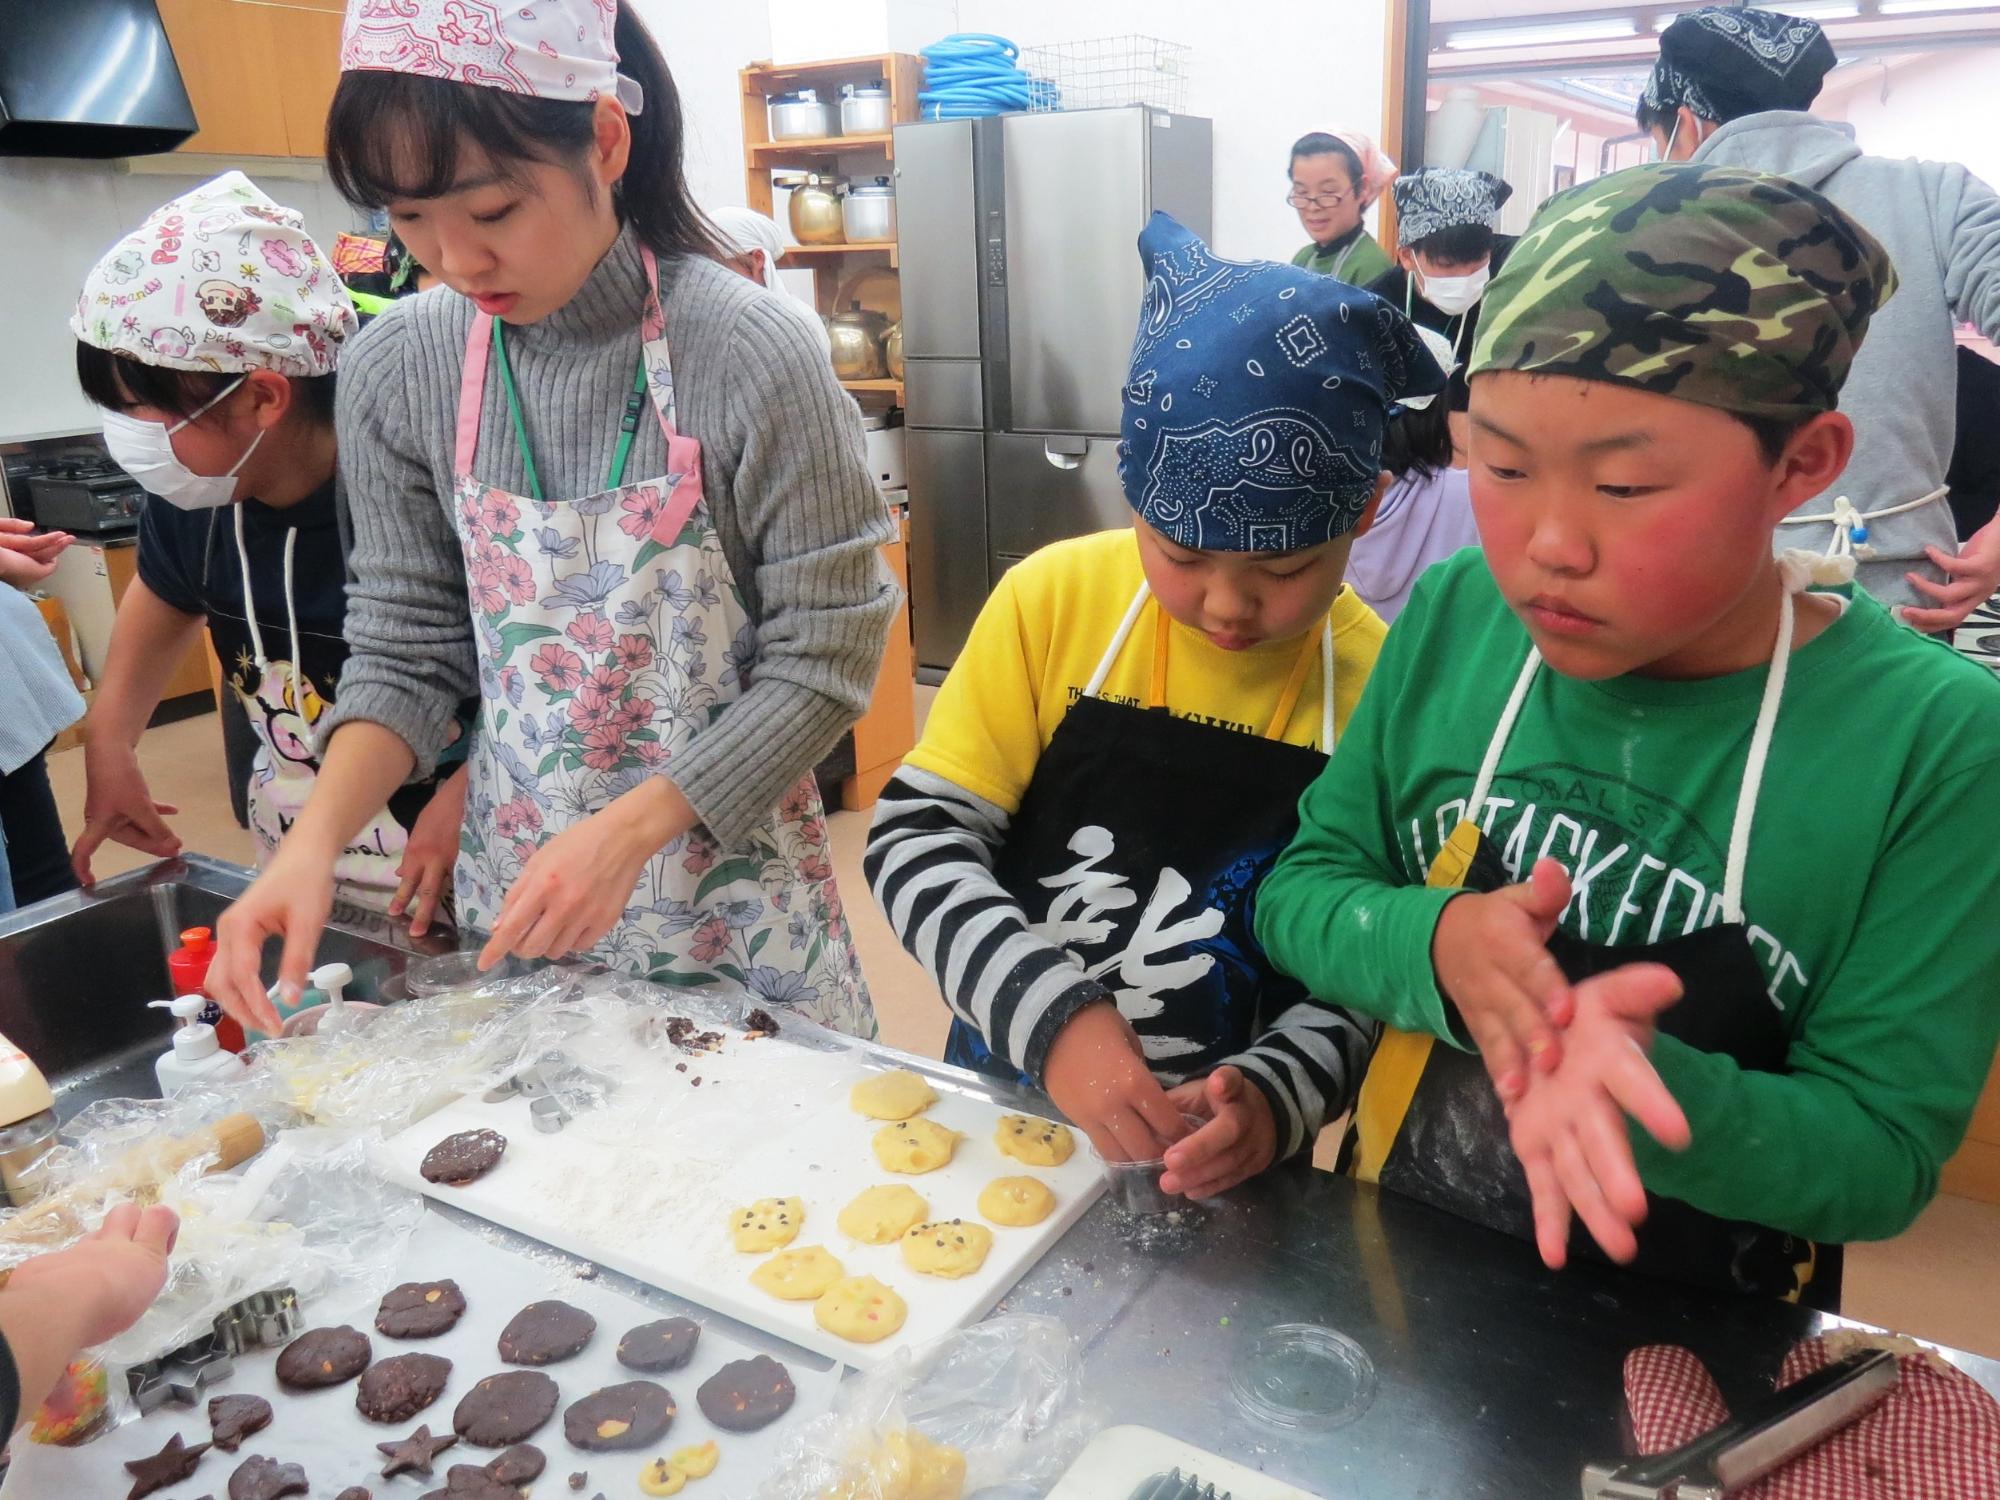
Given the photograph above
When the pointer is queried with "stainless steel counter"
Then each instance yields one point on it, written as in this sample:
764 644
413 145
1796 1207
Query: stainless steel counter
1495 1376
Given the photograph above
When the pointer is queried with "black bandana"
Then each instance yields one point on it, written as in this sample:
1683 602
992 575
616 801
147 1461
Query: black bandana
1434 198
1721 63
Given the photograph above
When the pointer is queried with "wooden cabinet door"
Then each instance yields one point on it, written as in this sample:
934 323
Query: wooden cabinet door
306 42
121 566
230 66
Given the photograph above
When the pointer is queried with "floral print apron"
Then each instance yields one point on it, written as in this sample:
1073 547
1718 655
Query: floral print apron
610 633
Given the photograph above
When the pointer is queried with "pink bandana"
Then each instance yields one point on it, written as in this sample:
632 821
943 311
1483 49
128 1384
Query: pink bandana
547 49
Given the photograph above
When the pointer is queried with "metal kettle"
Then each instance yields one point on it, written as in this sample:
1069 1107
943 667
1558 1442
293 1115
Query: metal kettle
892 351
815 212
857 336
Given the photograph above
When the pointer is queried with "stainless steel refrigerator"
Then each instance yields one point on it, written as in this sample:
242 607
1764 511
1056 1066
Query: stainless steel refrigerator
1021 289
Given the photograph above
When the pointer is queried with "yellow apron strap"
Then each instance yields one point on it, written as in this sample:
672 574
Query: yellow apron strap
1158 693
1294 685
1400 1057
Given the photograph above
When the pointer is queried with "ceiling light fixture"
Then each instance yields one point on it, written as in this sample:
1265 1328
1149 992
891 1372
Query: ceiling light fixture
1609 29
1919 7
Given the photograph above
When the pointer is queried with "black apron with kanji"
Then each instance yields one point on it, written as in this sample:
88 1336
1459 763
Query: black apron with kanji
1138 848
1430 1125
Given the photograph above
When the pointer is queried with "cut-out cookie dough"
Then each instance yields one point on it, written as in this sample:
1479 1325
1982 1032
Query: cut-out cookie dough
897 1094
1039 1143
881 1214
914 1147
949 1247
767 1224
797 1275
1016 1202
860 1310
697 1462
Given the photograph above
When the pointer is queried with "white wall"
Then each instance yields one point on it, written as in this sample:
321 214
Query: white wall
705 45
57 217
1940 109
1265 72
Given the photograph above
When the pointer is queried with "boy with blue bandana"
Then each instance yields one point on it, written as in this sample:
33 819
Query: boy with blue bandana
1761 814
1117 756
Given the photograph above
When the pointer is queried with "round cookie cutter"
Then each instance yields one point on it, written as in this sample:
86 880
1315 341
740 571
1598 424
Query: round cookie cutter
1303 1376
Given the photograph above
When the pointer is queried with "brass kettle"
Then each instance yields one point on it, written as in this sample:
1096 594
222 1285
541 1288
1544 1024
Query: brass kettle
815 212
856 336
892 351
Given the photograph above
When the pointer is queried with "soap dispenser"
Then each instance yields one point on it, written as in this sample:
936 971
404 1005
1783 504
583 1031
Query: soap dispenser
197 1054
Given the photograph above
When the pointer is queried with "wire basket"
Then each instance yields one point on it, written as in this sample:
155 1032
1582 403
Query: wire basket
1107 73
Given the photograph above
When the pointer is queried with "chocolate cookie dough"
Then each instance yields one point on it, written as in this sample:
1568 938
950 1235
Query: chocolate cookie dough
322 1357
170 1465
261 1478
397 1388
420 1310
415 1453
231 1419
543 1332
463 1158
746 1394
520 1464
505 1408
354 1492
472 1482
632 1415
653 1348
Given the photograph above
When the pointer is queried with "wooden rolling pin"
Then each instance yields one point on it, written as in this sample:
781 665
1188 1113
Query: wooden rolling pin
232 1140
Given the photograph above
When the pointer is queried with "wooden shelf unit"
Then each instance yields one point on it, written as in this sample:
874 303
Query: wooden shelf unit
805 257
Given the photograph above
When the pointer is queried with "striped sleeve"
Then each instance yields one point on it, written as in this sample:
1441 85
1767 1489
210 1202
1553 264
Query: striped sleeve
1309 1065
930 864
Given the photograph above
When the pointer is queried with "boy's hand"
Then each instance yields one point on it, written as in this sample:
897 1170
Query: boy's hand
112 1274
1097 1075
1569 1127
1239 1140
1491 955
118 806
431 852
290 900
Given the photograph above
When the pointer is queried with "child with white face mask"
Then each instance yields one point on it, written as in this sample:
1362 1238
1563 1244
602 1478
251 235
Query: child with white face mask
209 337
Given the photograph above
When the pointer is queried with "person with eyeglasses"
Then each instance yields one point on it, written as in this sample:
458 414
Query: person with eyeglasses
1336 175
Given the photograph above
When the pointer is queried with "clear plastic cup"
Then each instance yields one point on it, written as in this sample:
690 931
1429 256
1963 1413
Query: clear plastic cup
450 972
1135 1185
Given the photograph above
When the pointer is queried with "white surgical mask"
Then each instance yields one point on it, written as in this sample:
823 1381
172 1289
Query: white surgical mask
1452 295
145 450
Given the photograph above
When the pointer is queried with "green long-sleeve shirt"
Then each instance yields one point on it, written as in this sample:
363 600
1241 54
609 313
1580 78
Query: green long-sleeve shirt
1871 886
1355 258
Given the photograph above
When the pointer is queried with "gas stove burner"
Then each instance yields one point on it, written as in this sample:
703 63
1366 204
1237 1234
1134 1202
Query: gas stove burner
81 466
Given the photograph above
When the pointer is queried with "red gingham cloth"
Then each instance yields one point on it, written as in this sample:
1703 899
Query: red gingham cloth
1935 1437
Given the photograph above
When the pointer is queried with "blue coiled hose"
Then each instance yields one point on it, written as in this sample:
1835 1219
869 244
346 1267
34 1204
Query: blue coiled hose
971 74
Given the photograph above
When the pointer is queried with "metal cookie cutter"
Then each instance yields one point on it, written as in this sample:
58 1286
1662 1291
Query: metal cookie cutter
264 1320
182 1376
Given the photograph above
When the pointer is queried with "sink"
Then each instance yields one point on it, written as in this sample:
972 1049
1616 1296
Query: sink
77 970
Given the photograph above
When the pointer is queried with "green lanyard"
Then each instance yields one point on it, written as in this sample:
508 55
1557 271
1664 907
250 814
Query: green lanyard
628 426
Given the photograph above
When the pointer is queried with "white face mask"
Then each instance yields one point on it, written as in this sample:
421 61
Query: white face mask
145 450
1452 295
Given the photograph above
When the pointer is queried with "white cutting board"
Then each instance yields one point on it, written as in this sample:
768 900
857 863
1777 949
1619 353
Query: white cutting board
647 1184
322 1432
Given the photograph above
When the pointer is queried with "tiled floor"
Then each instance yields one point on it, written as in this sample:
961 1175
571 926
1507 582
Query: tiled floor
1933 1282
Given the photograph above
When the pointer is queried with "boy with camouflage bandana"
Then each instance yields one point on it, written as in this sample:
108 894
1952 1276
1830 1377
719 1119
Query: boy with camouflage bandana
1653 388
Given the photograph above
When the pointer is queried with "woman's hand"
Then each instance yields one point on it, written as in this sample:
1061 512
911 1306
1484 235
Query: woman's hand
290 900
118 806
112 1274
1239 1141
431 852
1097 1075
576 886
1972 575
25 559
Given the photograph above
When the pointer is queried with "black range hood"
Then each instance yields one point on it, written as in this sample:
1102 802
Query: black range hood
89 78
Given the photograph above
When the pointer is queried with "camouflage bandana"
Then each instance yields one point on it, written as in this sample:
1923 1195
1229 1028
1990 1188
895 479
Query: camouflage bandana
1717 285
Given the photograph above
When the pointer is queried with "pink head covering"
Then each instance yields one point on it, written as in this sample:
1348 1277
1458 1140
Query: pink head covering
1377 171
547 49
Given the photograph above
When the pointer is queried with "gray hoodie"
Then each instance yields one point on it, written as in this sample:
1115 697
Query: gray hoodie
1941 226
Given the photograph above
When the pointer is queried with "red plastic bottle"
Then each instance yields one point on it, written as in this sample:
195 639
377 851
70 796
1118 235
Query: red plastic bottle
187 966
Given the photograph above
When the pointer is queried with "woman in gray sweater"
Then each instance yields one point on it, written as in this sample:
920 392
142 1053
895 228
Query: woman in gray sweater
614 489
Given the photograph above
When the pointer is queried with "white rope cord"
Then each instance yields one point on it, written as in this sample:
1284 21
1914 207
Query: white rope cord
1118 639
1795 578
249 599
1501 731
1326 686
292 617
1849 542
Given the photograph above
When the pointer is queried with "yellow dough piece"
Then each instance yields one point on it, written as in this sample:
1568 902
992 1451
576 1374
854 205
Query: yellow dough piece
697 1462
881 1214
661 1478
861 1310
897 1094
1017 1201
797 1275
949 1247
905 1465
767 1224
915 1146
1039 1143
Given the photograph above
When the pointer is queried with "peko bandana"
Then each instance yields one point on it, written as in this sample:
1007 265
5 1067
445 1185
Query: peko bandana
220 279
546 49
1717 285
1431 199
1722 63
1254 405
